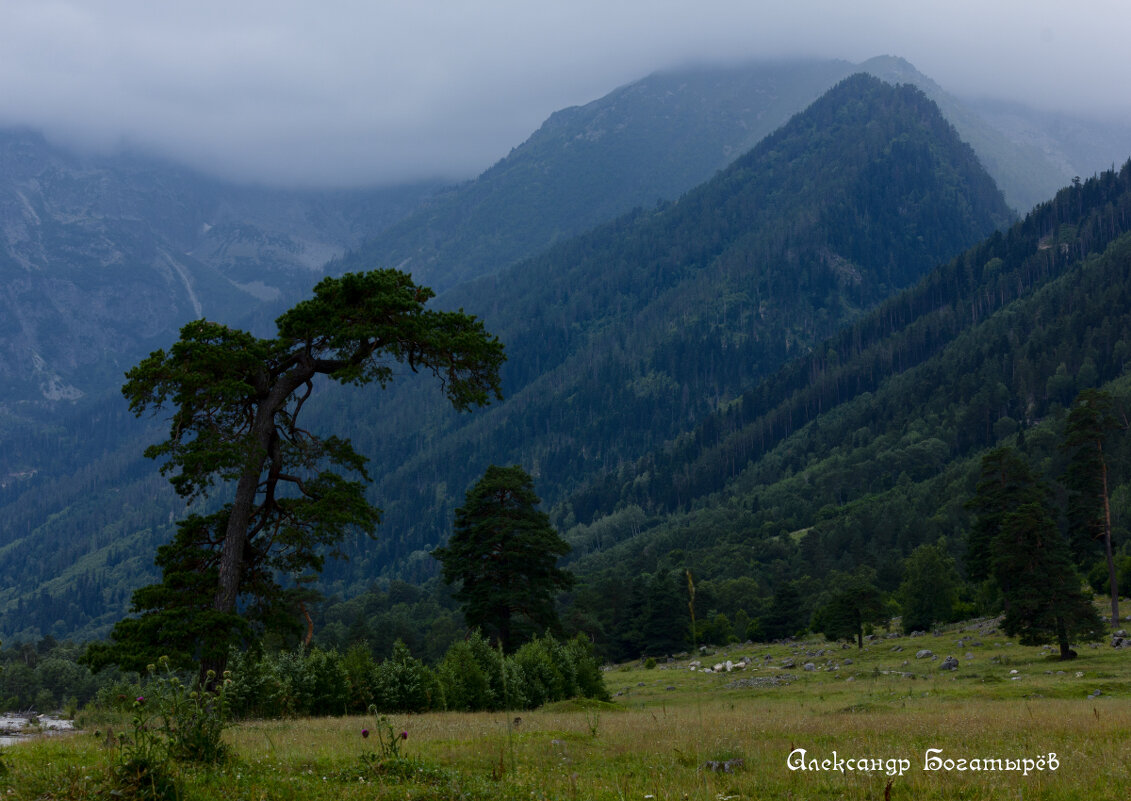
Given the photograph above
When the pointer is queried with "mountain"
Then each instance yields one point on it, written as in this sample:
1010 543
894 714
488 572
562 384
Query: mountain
618 341
103 258
656 138
623 338
870 445
645 142
117 252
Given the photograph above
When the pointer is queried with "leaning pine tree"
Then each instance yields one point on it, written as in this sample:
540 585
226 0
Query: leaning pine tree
236 401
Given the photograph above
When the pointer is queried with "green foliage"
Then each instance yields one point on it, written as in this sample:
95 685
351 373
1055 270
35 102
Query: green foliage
471 675
1029 558
929 590
143 769
403 683
236 401
171 722
503 554
1090 421
293 682
852 602
1086 432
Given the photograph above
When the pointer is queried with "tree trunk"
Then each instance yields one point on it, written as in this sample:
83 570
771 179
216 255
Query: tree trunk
239 519
1111 577
1066 651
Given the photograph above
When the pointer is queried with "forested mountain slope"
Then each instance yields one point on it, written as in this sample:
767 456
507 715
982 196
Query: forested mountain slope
869 446
618 340
623 338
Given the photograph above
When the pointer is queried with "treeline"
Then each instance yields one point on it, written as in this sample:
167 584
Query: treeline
472 676
46 676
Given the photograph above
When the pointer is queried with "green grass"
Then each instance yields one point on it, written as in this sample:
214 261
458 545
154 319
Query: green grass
668 722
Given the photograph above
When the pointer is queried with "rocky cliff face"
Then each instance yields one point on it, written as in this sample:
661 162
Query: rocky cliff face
103 258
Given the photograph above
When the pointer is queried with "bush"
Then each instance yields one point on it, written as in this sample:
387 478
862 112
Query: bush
326 682
402 683
466 682
361 673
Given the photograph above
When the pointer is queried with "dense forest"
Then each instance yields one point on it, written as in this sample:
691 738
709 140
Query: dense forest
869 448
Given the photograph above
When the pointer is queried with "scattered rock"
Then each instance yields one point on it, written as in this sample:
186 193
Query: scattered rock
897 648
1095 694
761 681
809 666
848 661
923 654
787 663
950 663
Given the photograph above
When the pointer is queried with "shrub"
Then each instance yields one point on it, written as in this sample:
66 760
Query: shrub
403 683
361 673
466 684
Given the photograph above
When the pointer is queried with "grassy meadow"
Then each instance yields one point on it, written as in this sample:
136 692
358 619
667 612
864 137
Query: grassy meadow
672 733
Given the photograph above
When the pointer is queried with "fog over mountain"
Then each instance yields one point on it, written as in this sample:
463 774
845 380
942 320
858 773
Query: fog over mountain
346 93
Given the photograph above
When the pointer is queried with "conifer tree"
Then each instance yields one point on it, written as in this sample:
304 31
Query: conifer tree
1046 601
503 556
1020 547
853 602
1086 478
236 401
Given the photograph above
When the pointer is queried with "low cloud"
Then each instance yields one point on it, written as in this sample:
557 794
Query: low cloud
349 92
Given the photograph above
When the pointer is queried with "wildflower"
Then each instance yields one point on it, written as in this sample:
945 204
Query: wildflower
141 699
364 733
404 735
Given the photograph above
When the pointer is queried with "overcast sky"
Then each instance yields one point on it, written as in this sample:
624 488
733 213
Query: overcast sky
348 92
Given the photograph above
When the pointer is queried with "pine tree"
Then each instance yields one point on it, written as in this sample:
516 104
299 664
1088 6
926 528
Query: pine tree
503 554
1086 477
1046 601
236 402
852 602
929 588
